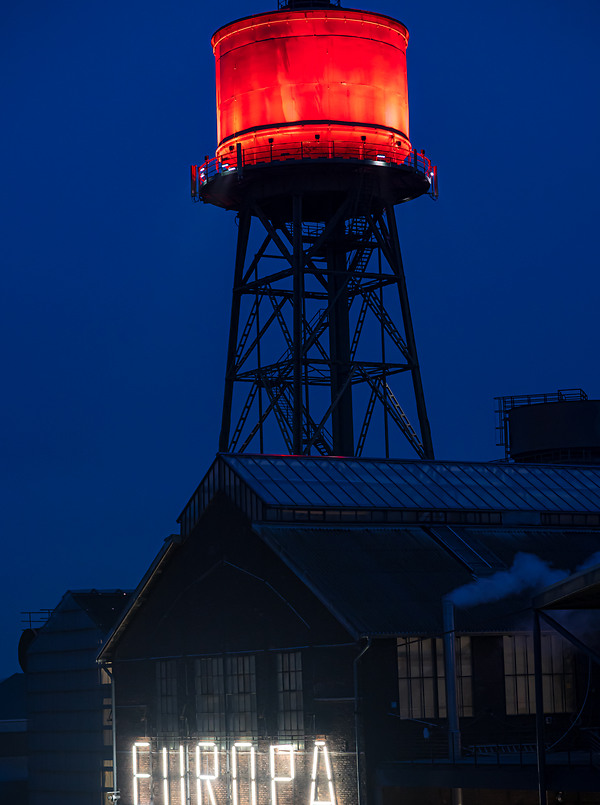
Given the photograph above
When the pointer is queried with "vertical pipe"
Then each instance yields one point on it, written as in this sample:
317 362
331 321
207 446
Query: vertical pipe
298 264
240 257
539 709
113 704
454 744
357 721
409 333
450 668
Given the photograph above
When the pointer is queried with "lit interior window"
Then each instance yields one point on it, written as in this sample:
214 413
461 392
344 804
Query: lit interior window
519 674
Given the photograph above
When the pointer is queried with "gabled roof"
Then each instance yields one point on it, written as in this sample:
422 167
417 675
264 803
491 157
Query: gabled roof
137 598
103 606
377 576
330 489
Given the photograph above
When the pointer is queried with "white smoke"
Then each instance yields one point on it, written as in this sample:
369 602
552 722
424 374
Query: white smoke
528 572
594 559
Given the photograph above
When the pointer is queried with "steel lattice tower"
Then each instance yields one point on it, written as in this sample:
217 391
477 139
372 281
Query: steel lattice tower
320 328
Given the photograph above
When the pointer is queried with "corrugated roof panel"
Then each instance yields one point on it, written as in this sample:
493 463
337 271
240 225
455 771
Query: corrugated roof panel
441 479
386 580
563 488
506 491
411 488
588 483
328 484
315 481
373 579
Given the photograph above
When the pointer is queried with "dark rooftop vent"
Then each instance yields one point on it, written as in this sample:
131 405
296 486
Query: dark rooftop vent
562 427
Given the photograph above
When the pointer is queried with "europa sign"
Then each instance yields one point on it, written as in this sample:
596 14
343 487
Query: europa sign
198 773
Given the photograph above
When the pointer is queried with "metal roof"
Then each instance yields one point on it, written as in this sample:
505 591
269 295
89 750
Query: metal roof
387 580
340 482
579 591
313 488
365 483
103 606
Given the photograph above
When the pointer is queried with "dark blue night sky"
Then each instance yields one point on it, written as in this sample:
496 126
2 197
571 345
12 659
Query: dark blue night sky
116 288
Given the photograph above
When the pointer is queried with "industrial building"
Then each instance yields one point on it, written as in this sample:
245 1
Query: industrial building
330 629
13 740
291 645
69 705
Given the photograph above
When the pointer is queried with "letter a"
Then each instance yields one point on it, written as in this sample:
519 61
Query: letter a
321 753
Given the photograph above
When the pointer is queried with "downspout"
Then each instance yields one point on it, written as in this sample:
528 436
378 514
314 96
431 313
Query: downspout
115 795
539 710
454 744
357 720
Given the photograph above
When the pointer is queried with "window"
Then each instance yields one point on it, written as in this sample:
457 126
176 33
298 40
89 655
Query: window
210 697
241 695
290 710
226 696
422 678
107 724
166 684
519 676
107 776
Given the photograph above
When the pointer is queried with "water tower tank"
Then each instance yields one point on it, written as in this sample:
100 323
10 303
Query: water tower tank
327 77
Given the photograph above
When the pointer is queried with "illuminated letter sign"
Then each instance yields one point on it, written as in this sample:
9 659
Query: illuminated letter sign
276 751
165 775
202 749
320 751
137 776
182 775
165 771
246 748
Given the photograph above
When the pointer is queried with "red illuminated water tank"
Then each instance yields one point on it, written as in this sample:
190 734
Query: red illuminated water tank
318 76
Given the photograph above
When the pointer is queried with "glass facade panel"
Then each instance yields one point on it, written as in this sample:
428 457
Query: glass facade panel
166 689
210 696
323 481
240 686
290 711
421 677
519 674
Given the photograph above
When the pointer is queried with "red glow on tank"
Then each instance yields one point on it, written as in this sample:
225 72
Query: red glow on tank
328 75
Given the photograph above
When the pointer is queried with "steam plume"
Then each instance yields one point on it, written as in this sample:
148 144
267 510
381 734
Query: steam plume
528 572
594 559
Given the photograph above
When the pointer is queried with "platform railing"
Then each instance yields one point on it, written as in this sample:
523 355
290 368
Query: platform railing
313 150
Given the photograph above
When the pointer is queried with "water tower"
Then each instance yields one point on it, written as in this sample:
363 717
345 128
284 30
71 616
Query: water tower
313 154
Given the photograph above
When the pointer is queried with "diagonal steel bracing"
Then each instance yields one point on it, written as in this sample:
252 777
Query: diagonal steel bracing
310 356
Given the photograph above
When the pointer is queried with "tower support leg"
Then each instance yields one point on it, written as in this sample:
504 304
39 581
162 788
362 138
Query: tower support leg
297 328
240 257
409 333
339 344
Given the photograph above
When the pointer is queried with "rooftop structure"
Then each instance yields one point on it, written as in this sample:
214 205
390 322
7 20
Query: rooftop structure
333 490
